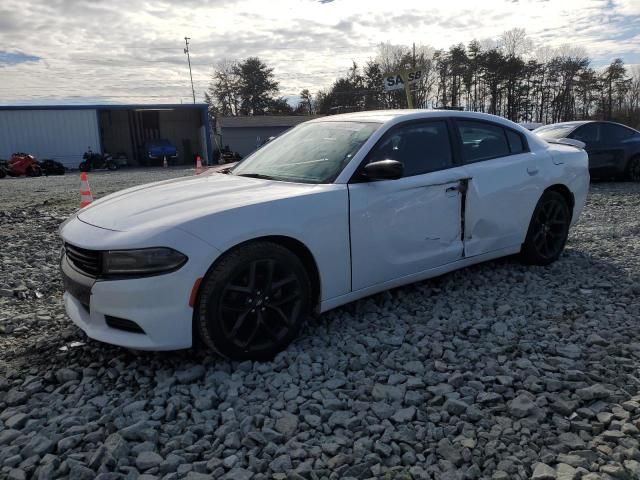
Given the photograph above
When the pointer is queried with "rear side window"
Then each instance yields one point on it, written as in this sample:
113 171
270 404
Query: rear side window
614 133
482 141
516 144
588 133
421 147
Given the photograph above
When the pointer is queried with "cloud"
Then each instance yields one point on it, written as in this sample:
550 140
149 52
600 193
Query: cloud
131 50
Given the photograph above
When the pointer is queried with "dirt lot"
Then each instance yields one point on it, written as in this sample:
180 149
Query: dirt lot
499 371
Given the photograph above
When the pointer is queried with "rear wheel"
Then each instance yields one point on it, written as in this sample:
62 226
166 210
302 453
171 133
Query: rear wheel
33 171
633 169
254 301
548 230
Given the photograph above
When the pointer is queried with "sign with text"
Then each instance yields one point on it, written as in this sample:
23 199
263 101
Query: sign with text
395 81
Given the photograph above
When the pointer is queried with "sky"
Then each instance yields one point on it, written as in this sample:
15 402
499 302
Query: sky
131 51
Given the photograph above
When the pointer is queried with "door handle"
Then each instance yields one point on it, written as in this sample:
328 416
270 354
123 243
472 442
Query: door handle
461 187
532 170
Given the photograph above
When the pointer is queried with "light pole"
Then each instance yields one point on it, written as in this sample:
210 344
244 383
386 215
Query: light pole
186 50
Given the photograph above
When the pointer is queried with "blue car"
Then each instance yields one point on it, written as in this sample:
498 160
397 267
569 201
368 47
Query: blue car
157 150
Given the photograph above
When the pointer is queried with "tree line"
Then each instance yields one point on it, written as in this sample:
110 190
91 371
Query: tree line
506 77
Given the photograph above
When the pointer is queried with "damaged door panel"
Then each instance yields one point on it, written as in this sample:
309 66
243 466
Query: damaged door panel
405 226
499 202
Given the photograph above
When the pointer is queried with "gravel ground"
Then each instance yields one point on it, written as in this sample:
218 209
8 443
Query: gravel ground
499 371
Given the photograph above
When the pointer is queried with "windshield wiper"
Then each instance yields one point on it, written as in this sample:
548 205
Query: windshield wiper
256 175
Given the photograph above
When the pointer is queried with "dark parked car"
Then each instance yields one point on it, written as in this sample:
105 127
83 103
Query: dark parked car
156 150
614 149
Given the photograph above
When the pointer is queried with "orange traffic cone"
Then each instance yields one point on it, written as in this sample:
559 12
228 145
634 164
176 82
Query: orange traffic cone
198 165
164 163
85 191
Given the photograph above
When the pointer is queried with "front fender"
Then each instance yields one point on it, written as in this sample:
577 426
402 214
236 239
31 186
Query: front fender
319 220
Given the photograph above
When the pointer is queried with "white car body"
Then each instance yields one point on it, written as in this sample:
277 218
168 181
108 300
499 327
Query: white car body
364 237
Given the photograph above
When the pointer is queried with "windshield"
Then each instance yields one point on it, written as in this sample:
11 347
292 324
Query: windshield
554 132
309 153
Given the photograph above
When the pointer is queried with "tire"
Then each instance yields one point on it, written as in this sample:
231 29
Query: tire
633 169
84 167
112 166
3 173
253 319
548 230
33 171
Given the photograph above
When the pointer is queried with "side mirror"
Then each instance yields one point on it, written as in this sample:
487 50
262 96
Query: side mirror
383 170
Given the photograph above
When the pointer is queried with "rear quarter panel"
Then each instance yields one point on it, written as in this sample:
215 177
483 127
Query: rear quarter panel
569 166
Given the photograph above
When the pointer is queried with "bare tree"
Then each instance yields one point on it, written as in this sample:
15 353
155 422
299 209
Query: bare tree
223 94
515 43
306 100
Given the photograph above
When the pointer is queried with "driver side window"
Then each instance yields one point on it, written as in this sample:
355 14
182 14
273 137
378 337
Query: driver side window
422 147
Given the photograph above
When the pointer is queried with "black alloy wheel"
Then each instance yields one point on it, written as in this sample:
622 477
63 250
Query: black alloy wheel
548 230
253 302
633 169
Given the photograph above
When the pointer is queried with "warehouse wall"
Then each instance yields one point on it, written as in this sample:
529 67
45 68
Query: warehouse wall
63 135
244 140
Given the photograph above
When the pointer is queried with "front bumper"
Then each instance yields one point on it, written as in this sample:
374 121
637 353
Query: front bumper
158 305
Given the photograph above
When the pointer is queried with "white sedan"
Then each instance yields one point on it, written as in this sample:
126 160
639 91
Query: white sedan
334 210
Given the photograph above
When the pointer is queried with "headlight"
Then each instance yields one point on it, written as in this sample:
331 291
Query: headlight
145 261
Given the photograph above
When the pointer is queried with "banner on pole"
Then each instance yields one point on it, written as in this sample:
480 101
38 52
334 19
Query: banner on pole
395 81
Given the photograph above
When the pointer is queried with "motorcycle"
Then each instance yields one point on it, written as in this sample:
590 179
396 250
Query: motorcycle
23 164
97 161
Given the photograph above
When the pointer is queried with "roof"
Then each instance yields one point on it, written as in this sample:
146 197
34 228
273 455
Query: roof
393 116
110 106
374 115
265 121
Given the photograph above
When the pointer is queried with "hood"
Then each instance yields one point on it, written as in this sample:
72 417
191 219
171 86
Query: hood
173 202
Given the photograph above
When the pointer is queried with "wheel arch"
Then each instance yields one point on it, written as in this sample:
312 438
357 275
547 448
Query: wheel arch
292 244
632 157
566 194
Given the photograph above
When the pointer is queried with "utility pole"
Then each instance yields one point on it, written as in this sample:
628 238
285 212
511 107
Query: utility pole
414 66
186 50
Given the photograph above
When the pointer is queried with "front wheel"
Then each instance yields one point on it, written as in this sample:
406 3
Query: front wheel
548 230
253 302
633 169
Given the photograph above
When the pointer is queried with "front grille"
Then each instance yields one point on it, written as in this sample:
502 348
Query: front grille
85 261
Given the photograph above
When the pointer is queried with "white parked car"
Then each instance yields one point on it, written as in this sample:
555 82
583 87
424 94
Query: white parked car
334 210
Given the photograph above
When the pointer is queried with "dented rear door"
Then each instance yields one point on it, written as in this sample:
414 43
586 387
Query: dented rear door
502 194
